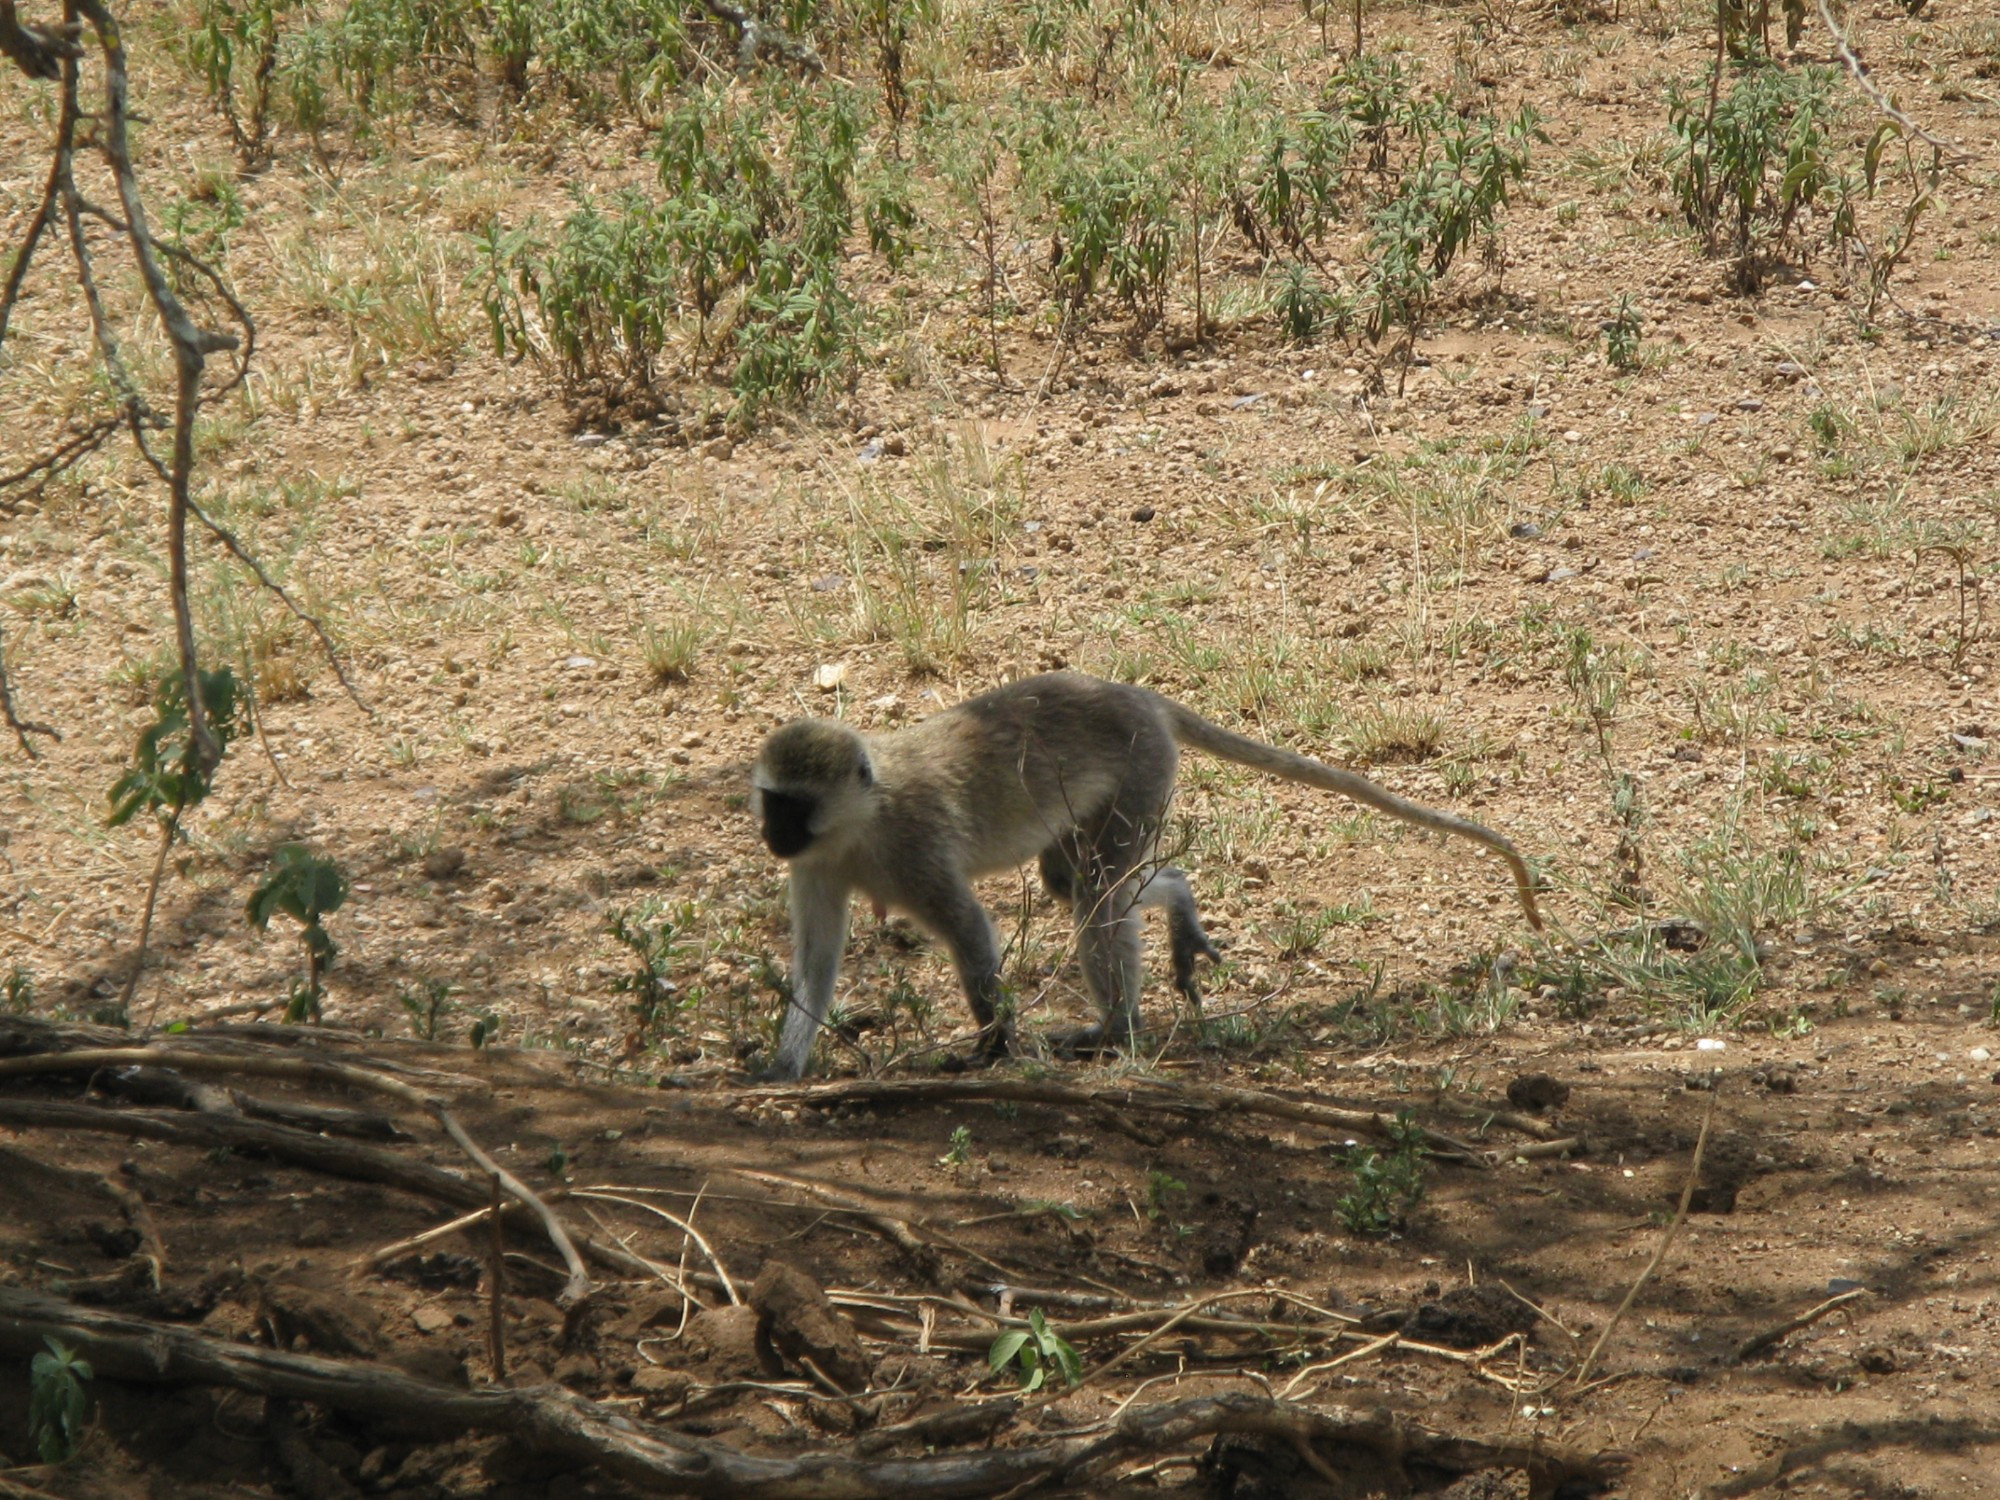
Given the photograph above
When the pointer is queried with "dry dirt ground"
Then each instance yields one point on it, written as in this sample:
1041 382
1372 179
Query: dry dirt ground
1680 630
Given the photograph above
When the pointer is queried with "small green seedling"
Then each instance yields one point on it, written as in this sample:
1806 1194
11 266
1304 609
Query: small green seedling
1034 1349
426 1005
960 1150
1621 335
56 1405
1161 1189
653 940
171 772
1387 1185
306 888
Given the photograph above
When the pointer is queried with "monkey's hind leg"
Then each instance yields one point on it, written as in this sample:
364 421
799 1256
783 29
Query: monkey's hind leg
1186 938
1166 889
1105 893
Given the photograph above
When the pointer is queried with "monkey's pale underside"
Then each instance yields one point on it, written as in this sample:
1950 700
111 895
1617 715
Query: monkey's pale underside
1071 769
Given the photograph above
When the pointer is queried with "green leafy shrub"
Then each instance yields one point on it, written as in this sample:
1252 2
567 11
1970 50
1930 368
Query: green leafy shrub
305 887
1388 1185
1035 1349
1745 172
57 1407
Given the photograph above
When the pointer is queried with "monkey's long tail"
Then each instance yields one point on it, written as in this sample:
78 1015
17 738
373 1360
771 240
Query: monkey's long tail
1197 733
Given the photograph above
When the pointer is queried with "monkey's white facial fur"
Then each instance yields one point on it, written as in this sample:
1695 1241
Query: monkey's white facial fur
812 780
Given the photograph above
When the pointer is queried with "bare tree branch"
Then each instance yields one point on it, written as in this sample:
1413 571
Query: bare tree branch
22 727
1953 156
38 51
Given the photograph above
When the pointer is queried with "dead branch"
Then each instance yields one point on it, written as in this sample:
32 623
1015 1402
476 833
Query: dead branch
572 1297
315 1152
1857 70
551 1420
1178 1097
1666 1240
1758 1342
686 1226
37 51
164 1086
1528 1125
298 1148
921 1249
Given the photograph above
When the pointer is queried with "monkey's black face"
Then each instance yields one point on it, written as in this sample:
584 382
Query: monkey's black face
788 823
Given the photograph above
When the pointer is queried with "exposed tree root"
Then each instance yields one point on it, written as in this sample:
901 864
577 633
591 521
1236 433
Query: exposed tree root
1179 1097
551 1420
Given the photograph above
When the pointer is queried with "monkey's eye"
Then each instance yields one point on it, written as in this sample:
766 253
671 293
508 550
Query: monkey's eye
865 774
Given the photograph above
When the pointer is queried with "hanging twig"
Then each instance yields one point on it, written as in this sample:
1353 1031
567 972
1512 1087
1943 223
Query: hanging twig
1953 156
38 51
22 727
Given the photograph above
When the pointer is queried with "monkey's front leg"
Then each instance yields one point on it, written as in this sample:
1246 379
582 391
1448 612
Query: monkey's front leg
962 922
819 933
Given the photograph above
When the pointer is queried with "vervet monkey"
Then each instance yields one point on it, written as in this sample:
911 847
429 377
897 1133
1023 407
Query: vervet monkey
1074 769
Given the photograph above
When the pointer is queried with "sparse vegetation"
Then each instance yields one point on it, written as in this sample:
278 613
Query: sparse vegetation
1388 1185
1417 388
58 1406
307 888
1035 1351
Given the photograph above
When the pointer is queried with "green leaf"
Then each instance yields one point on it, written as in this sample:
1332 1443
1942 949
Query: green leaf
999 1356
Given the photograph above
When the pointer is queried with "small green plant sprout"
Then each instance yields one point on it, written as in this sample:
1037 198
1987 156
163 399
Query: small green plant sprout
959 1152
306 888
1388 1185
1621 335
56 1405
17 992
482 1030
171 772
426 1004
653 940
671 650
1161 1189
1035 1348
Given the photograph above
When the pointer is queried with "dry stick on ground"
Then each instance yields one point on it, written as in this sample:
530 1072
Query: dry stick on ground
1666 1240
1177 1097
573 1296
496 1278
684 1225
299 1148
1758 1342
551 1420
